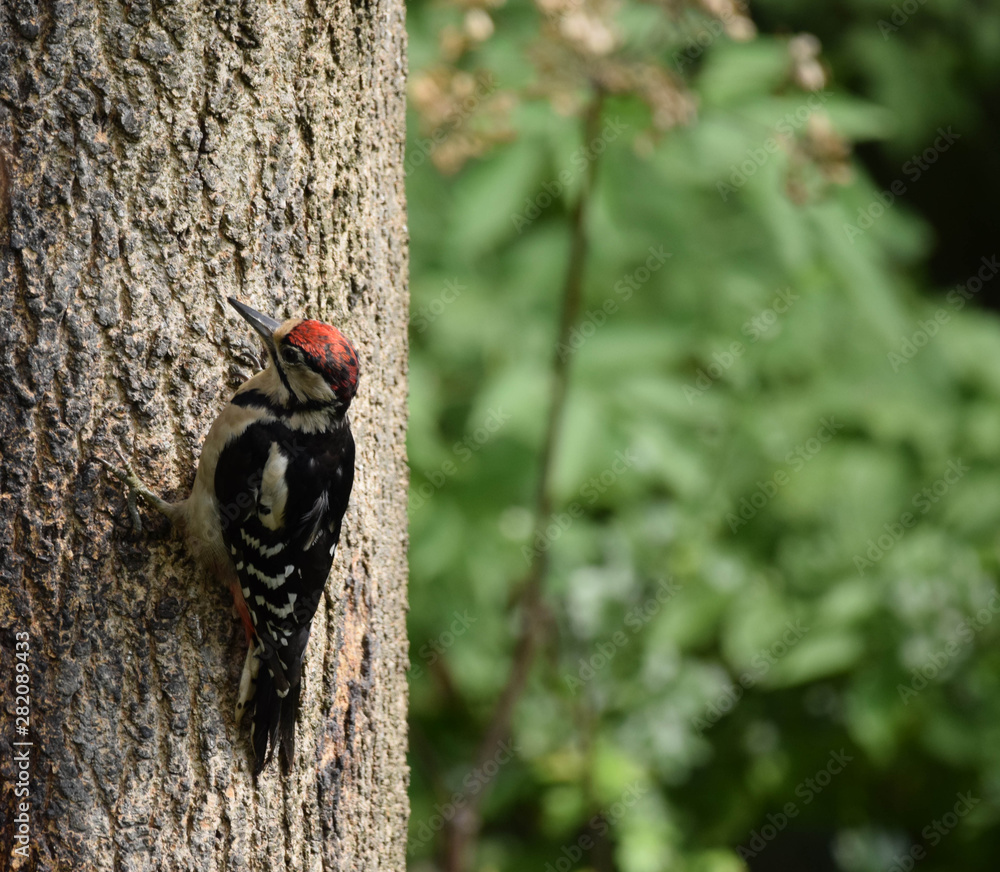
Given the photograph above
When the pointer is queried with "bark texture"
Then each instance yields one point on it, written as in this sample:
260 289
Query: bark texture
155 157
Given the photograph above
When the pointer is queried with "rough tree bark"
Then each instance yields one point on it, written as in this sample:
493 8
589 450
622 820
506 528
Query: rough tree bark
155 157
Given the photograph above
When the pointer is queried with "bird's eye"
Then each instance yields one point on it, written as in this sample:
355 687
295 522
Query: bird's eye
291 355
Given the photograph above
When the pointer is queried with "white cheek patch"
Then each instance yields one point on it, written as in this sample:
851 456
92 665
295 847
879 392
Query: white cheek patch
312 385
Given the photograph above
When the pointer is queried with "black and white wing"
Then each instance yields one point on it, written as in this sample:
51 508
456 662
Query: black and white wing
282 497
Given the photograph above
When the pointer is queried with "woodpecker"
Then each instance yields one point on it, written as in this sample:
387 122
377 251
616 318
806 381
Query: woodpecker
265 512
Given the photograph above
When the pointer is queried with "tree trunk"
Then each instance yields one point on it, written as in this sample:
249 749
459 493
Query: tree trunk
155 157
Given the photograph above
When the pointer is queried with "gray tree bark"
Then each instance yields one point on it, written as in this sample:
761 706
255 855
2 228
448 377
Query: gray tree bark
155 157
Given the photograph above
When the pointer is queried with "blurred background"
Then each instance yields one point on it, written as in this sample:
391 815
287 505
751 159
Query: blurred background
705 435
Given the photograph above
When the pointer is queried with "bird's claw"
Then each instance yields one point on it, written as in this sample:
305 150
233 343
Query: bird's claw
127 476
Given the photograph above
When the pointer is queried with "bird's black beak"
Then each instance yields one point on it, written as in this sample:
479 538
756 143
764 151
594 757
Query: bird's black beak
261 323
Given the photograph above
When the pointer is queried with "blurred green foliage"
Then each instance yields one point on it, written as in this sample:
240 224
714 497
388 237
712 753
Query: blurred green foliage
771 605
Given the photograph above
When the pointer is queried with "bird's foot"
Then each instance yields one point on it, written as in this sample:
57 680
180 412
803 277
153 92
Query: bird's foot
136 488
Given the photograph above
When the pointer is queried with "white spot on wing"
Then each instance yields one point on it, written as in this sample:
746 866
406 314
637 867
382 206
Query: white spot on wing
257 546
274 489
315 517
285 610
272 583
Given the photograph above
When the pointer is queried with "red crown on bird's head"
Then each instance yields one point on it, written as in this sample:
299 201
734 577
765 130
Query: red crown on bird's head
330 353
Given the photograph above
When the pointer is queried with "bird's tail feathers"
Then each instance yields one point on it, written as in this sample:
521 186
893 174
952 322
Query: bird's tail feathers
273 722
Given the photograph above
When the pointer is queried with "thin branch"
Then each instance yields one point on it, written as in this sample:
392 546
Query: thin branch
464 828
